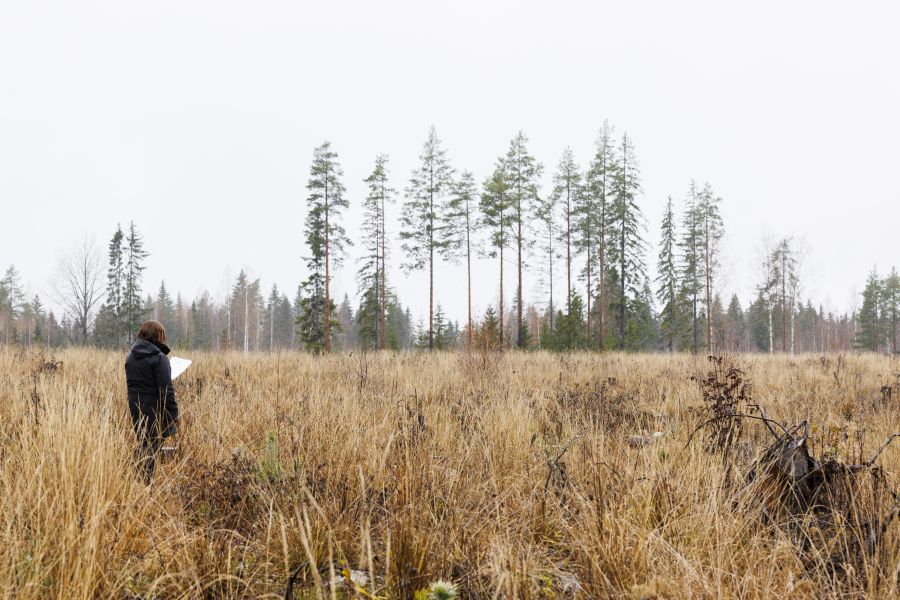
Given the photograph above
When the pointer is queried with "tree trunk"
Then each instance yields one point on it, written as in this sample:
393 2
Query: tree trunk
588 268
771 334
784 302
501 289
383 275
708 269
468 277
601 260
520 340
246 318
550 246
431 261
622 288
327 341
568 245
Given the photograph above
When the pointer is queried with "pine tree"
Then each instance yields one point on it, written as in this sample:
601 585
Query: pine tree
496 219
326 240
711 232
599 183
424 226
372 273
625 229
667 279
462 222
12 300
567 186
522 173
134 309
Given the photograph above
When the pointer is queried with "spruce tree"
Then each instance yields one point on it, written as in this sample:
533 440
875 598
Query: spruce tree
598 197
667 279
134 309
891 304
625 232
736 325
110 322
164 312
326 241
871 331
423 220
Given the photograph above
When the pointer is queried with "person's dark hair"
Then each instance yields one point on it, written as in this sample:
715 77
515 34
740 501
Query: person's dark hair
152 331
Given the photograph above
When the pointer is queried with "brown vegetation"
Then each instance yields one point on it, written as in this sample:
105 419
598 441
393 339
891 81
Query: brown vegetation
516 476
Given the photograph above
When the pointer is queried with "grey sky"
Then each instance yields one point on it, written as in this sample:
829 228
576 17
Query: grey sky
198 121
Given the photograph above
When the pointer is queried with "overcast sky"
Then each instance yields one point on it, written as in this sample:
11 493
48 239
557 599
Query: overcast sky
198 120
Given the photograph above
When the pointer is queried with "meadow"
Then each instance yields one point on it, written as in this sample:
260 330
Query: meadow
511 475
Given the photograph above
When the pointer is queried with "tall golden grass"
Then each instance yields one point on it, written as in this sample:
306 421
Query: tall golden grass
511 475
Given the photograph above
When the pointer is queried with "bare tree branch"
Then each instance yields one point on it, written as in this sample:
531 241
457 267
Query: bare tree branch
78 285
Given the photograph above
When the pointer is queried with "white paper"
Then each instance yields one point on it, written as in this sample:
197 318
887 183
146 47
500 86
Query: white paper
179 366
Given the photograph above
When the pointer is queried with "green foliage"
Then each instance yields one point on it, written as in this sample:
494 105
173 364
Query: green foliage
425 224
270 467
326 240
627 245
134 310
871 334
667 291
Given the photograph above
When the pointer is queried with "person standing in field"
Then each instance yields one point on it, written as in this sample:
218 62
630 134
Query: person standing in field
151 396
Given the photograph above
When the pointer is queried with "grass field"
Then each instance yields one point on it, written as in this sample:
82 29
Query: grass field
374 475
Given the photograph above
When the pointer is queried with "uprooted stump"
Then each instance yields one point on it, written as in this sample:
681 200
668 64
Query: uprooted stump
837 513
844 509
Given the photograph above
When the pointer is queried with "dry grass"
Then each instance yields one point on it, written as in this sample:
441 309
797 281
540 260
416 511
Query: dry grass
512 476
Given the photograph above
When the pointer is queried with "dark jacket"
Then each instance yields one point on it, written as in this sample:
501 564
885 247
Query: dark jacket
151 397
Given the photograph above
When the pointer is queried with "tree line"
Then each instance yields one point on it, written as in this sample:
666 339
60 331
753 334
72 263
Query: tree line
589 225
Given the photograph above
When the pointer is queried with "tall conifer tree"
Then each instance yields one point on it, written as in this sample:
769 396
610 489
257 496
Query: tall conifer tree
564 198
522 173
423 221
462 218
599 184
626 226
326 240
667 278
496 219
133 306
711 232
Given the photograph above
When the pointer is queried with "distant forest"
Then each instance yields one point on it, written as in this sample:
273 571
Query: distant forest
587 231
